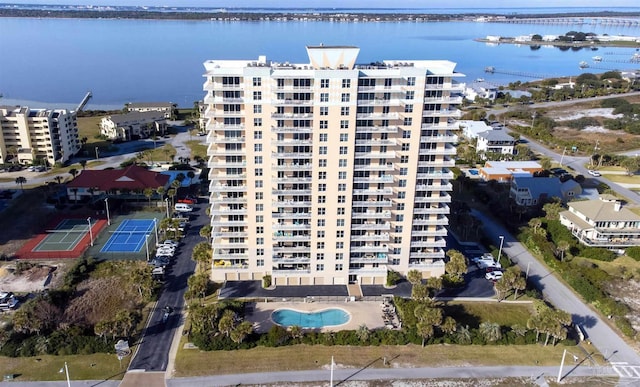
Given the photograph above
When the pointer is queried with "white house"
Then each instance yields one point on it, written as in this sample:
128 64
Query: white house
495 141
480 89
471 129
128 126
603 222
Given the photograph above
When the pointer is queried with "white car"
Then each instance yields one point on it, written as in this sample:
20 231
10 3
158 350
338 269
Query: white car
165 251
594 173
493 276
169 242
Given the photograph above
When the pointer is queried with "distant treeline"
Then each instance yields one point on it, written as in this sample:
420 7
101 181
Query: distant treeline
282 16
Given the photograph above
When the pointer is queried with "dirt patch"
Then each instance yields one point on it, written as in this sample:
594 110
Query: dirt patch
627 292
563 115
35 279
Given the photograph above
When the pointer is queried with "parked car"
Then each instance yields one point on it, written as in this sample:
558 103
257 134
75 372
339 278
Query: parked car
183 207
187 201
166 251
169 242
493 276
594 173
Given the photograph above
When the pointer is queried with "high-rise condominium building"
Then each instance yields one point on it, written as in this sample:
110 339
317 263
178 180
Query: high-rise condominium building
27 135
329 172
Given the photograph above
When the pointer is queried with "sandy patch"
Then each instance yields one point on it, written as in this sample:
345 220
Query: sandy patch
600 112
595 129
35 279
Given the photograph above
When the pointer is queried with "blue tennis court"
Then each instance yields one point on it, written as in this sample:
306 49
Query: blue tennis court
130 236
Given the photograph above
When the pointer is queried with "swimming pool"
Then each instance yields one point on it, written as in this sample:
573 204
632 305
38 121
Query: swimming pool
320 319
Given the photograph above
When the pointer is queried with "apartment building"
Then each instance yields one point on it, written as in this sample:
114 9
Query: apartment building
28 135
168 108
329 172
133 125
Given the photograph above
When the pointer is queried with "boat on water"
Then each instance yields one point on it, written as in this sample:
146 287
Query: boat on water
583 65
635 58
597 58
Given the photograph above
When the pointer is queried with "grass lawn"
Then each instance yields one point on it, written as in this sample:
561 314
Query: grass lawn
624 179
89 127
617 267
197 149
89 367
193 362
162 153
473 313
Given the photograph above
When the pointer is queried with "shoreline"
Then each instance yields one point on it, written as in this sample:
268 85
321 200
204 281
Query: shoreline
353 17
585 44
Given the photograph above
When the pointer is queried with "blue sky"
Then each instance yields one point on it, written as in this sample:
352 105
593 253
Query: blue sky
348 3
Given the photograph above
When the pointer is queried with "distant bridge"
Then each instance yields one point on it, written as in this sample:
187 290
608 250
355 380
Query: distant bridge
591 20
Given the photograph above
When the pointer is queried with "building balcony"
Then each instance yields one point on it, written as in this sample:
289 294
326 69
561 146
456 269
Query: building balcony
441 126
444 99
440 139
292 102
283 258
377 129
379 102
293 167
291 142
374 179
394 88
372 203
454 113
227 188
220 243
291 129
434 187
229 234
435 233
291 191
228 211
288 237
373 191
384 237
382 249
219 222
292 271
432 199
225 200
372 226
290 86
377 116
375 142
227 265
446 151
374 167
376 155
293 155
437 163
372 258
291 203
213 139
224 176
291 215
216 163
371 215
214 150
451 86
439 221
287 179
225 254
430 244
434 175
213 113
290 226
427 254
219 126
291 116
426 264
382 270
291 249
434 210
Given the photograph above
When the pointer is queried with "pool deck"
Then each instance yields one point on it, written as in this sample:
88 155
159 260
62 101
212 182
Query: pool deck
368 313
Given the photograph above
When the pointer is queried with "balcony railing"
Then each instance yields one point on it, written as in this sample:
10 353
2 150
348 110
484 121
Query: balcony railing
439 210
442 221
446 151
374 179
290 226
377 129
373 191
434 243
384 237
374 167
371 215
371 226
372 203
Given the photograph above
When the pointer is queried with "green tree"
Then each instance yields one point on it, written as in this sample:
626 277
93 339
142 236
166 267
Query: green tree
205 232
227 322
203 255
363 333
631 165
463 334
561 248
73 172
160 191
449 325
197 285
83 164
552 209
457 265
148 193
240 332
428 318
490 331
420 292
535 223
414 277
21 181
172 194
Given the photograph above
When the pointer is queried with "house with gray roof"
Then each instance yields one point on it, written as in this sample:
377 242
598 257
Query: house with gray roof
530 191
167 108
495 141
133 125
603 222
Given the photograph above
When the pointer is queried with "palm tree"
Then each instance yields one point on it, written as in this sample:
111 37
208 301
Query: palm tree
83 164
205 232
362 333
490 331
73 172
534 223
561 247
21 181
424 330
58 179
227 322
172 194
449 325
414 277
240 332
463 334
160 191
296 332
148 192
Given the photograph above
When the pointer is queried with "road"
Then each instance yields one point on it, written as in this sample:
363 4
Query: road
380 372
601 335
152 354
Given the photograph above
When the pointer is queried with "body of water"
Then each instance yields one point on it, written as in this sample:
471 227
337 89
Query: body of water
59 60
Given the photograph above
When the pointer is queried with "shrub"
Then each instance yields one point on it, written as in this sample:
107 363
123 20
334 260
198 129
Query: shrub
266 281
598 253
393 277
634 252
625 326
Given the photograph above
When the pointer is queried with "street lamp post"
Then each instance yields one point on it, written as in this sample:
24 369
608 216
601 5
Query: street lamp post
575 360
146 244
155 227
97 155
90 232
562 158
106 203
501 243
167 201
66 371
526 277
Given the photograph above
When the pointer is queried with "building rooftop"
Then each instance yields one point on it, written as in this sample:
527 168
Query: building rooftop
134 116
496 135
513 164
150 105
133 178
599 210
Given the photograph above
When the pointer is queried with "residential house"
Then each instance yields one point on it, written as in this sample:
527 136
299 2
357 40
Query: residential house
483 90
602 222
134 125
495 141
167 108
504 171
528 191
471 129
133 179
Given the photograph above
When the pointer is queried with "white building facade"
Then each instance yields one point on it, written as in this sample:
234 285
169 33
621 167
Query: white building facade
129 126
329 172
30 136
